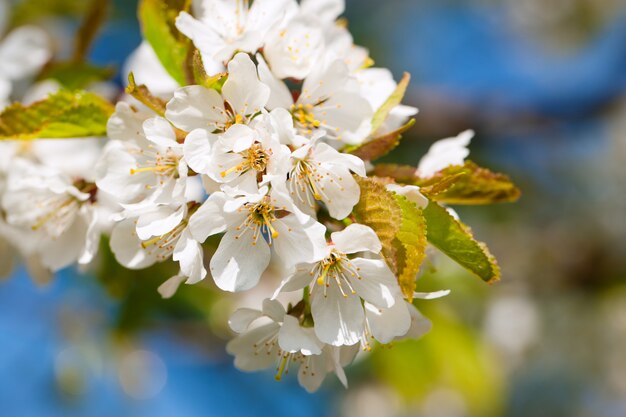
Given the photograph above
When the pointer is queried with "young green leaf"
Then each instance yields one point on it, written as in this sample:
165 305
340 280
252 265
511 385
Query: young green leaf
65 114
381 146
200 76
379 209
394 99
141 93
456 240
75 75
410 244
469 184
400 226
157 19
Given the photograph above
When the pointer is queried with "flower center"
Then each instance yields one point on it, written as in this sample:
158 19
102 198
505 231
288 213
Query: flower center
164 245
255 158
260 218
304 181
337 268
303 115
161 164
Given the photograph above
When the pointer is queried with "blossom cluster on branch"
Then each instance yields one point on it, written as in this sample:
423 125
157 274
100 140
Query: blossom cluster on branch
267 143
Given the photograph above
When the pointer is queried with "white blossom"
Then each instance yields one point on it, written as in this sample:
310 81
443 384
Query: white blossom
258 224
273 338
243 96
339 283
225 27
318 172
330 101
444 153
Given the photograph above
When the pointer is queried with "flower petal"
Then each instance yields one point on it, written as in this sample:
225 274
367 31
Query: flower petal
388 323
294 338
243 90
241 319
208 219
357 238
339 320
188 252
251 354
237 265
377 284
196 107
169 287
160 132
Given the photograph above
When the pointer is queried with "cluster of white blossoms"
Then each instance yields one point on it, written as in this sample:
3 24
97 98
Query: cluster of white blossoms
256 162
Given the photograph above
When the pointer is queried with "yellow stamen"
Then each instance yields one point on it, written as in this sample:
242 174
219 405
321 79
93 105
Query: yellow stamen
281 367
231 170
268 223
157 168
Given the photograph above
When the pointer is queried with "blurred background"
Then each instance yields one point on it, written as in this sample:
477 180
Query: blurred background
544 86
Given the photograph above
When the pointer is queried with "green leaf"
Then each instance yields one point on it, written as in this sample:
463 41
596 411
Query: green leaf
469 184
200 76
157 19
65 114
75 75
399 225
410 245
456 240
394 99
142 94
381 146
466 184
379 209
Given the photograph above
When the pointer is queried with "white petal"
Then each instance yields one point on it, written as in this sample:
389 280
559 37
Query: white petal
431 295
160 132
92 237
312 372
339 320
57 254
188 252
377 284
126 246
241 319
161 220
326 153
356 238
299 243
325 10
250 354
444 153
197 150
411 192
237 265
294 338
169 287
388 323
280 97
126 124
196 107
147 69
243 90
204 37
300 278
274 310
239 137
209 219
14 62
420 325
